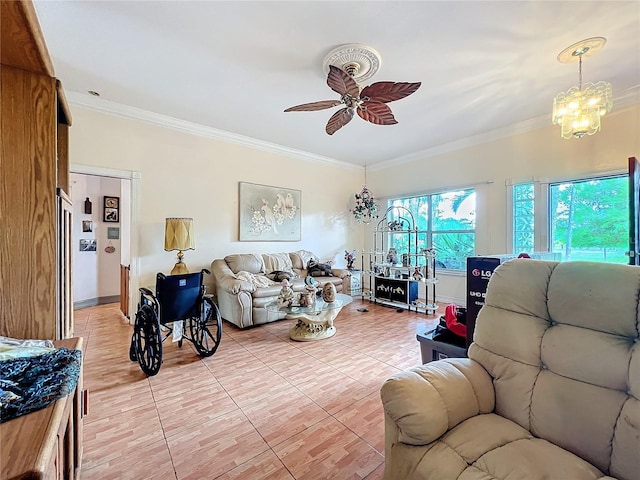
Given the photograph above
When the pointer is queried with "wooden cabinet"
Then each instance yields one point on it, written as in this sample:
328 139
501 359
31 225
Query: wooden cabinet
34 163
46 444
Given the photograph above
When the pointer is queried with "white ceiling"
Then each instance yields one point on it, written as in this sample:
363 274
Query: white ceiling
486 68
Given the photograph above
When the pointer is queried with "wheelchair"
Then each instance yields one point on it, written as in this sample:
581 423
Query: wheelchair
180 303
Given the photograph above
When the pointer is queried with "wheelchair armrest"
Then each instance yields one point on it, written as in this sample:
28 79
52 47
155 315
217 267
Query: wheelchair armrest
204 270
147 297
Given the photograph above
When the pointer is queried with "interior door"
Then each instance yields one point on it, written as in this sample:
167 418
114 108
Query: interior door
634 211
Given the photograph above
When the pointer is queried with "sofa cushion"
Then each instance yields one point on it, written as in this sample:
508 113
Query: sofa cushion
277 261
269 293
249 262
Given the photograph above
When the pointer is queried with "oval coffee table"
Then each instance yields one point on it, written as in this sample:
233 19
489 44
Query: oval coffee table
314 322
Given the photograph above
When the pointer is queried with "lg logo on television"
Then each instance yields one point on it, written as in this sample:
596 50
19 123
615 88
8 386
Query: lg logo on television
476 272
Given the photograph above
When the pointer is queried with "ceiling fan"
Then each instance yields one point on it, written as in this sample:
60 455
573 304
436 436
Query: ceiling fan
370 103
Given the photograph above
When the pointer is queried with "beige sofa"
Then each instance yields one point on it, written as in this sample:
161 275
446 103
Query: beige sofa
239 284
550 390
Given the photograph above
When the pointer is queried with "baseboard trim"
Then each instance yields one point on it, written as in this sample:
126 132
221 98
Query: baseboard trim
92 302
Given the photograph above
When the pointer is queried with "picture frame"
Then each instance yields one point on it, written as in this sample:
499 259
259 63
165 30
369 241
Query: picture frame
87 226
111 212
113 233
269 214
88 245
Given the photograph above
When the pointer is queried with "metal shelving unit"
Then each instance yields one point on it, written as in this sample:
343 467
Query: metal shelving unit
394 279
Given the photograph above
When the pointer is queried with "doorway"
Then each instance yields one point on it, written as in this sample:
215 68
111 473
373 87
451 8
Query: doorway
103 214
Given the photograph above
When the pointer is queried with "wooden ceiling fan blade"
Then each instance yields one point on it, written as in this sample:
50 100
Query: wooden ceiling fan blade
385 92
341 82
377 113
310 107
339 120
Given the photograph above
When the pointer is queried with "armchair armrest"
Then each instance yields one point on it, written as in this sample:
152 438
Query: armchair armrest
226 279
424 402
341 273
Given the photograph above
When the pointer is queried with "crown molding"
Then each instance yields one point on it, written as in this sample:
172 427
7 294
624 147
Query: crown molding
630 98
463 143
89 102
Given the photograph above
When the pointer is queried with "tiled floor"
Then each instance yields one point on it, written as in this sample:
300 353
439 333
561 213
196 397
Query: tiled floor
262 407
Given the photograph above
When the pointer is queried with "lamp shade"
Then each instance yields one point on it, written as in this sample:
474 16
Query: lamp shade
178 234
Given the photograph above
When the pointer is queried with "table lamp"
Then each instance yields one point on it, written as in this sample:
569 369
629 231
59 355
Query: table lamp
178 235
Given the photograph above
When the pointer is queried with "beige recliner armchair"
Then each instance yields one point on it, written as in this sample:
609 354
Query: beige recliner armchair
550 389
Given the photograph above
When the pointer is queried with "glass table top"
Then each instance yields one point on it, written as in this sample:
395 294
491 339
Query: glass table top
319 306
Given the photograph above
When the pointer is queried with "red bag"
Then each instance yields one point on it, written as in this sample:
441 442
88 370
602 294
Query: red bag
451 319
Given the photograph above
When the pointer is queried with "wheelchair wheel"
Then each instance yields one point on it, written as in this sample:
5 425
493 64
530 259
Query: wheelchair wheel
148 340
206 331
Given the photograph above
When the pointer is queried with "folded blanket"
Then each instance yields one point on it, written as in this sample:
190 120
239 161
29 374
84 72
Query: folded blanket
257 281
31 383
17 348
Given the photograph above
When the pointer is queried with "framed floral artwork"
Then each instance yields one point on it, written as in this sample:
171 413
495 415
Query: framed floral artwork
269 214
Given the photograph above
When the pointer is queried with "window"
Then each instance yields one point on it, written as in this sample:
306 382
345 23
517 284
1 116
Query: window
523 218
448 220
589 219
586 219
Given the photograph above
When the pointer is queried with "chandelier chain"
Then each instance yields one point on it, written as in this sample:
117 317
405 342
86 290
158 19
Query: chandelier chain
365 172
580 71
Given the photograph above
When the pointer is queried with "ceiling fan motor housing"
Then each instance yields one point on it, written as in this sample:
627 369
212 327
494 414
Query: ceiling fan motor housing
360 61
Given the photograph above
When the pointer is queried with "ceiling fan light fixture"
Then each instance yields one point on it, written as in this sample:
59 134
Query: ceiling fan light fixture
370 102
578 110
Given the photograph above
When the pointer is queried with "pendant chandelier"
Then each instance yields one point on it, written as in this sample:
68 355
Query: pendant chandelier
579 109
366 208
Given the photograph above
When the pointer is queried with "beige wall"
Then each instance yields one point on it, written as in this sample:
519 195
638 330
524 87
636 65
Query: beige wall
537 154
193 176
190 175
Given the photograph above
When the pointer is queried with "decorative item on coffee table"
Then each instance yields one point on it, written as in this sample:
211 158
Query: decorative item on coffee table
314 322
329 292
286 297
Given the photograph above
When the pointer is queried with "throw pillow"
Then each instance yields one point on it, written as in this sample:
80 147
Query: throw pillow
316 269
279 275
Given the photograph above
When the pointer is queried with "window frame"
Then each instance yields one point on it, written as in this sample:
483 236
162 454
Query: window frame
430 221
542 204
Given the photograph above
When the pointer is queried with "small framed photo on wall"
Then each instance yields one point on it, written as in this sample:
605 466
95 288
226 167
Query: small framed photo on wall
87 226
88 244
113 233
111 209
